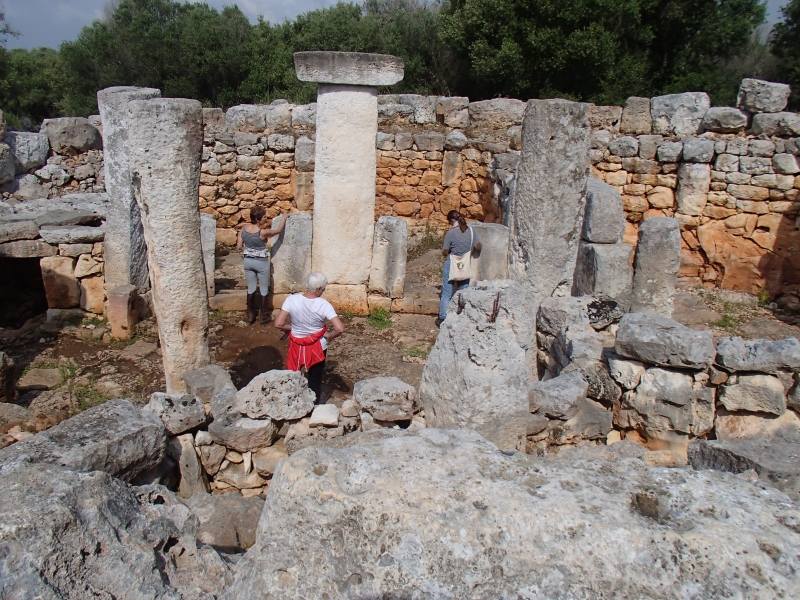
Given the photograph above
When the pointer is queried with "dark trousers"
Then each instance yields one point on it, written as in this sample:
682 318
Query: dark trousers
314 376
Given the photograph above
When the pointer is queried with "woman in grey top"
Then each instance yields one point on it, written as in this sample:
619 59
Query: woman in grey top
461 239
252 243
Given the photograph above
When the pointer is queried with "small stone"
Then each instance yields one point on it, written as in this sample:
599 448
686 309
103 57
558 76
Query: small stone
349 408
39 379
326 415
558 398
178 412
698 150
626 372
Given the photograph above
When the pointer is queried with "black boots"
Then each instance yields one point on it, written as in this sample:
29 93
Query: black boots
252 307
266 315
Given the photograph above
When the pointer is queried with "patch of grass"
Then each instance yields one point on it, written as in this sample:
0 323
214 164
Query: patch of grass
727 322
432 240
415 352
88 396
763 297
379 318
96 321
219 315
347 314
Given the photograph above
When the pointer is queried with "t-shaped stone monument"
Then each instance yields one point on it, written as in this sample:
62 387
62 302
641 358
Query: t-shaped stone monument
345 162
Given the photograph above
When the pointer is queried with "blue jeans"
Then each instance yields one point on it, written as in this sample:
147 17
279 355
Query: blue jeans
448 288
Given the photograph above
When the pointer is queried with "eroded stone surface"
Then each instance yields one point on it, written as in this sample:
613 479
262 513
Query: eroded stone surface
657 340
178 412
279 395
385 398
656 266
766 356
348 68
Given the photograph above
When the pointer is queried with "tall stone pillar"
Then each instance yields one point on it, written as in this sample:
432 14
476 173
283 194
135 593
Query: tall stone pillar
655 271
345 161
124 248
166 141
546 212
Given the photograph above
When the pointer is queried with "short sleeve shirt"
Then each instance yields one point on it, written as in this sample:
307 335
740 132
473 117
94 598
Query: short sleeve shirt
309 315
457 241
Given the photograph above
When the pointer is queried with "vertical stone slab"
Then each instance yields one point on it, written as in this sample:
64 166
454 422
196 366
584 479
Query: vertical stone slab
60 285
491 262
123 312
658 259
344 182
165 149
291 254
208 243
546 213
604 269
387 275
125 252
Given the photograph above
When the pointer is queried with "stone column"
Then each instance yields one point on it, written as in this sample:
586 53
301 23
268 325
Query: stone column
165 148
658 259
208 243
124 251
345 161
546 213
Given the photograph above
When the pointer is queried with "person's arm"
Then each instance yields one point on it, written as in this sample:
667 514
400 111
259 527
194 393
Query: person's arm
280 321
239 241
338 329
446 246
265 233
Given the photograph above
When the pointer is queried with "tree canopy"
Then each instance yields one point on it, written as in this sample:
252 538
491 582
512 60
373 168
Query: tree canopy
594 50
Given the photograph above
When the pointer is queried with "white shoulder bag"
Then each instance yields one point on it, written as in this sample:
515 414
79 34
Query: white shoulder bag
461 266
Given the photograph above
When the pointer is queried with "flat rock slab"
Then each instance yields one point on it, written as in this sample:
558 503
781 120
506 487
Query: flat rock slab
71 234
139 349
777 462
737 354
324 415
39 379
605 497
349 68
116 438
661 341
26 249
688 309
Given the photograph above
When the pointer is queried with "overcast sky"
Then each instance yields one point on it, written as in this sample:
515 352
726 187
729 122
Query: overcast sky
50 22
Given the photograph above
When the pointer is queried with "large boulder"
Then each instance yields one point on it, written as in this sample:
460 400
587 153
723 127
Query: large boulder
178 412
498 113
660 341
235 431
679 114
29 149
604 221
759 96
589 522
278 395
477 372
385 398
71 135
69 534
766 356
559 397
115 437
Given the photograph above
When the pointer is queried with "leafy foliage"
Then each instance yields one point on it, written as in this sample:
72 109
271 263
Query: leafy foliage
786 47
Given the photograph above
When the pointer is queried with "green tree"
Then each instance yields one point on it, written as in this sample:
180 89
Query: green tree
785 45
29 87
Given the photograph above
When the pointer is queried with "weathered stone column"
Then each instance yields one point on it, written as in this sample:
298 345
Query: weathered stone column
658 260
546 213
165 149
345 161
124 248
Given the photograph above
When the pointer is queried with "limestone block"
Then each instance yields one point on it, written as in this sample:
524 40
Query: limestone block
625 371
477 373
208 244
7 379
303 184
305 115
71 234
694 181
348 68
291 255
7 167
93 294
560 397
18 230
385 398
729 163
424 107
403 141
556 313
39 379
679 114
71 135
388 271
698 150
193 478
600 139
452 168
29 149
723 119
498 113
742 425
604 269
656 266
280 142
429 142
604 221
178 412
26 249
246 117
232 430
624 146
123 312
780 123
763 148
324 415
384 141
453 111
636 116
670 151
766 356
754 392
661 341
755 165
169 132
87 265
60 285
759 96
785 164
344 195
208 381
455 140
266 461
545 214
648 146
604 117
491 261
351 299
278 395
125 252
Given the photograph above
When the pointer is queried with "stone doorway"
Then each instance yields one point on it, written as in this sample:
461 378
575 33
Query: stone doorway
22 294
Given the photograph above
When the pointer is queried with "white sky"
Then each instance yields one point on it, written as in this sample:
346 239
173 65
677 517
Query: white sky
50 22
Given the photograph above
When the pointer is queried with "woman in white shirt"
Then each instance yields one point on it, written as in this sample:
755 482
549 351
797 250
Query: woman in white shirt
308 335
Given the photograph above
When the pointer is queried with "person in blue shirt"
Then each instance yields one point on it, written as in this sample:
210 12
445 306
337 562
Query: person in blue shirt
460 239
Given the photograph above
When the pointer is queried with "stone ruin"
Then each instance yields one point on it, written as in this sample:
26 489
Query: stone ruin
568 437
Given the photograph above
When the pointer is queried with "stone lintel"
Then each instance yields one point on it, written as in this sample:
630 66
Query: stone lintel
348 68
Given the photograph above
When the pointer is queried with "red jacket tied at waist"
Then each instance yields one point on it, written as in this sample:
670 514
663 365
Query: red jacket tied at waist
305 351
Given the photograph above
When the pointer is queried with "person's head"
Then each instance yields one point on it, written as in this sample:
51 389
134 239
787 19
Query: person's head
456 218
316 282
257 214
